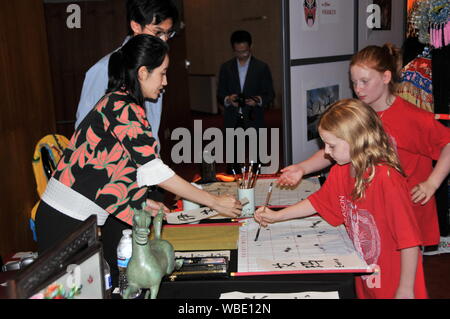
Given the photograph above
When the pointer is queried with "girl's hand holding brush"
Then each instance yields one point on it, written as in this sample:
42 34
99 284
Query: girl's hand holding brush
265 216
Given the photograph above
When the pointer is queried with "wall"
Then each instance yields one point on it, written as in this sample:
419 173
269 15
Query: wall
340 29
103 29
209 24
73 51
27 115
317 73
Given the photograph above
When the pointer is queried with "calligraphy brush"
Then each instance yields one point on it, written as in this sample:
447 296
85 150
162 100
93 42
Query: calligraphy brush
250 175
243 176
267 203
255 177
235 176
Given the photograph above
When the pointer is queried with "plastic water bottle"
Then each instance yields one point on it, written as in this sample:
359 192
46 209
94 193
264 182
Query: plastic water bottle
124 252
108 279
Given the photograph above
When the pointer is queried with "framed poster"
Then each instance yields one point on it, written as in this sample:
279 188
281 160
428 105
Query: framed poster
385 13
317 101
381 21
321 28
314 88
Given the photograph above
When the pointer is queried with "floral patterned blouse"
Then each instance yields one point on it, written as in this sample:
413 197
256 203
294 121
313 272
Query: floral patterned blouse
104 153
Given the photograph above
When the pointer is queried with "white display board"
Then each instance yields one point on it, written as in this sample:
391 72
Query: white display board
316 54
330 33
305 81
393 28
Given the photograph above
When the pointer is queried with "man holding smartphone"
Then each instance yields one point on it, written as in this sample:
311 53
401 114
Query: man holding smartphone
245 88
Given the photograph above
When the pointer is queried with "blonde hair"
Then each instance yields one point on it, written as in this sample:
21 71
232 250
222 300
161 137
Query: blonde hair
358 124
381 59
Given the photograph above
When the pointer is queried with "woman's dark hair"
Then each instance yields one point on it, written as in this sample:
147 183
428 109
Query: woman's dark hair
141 50
147 12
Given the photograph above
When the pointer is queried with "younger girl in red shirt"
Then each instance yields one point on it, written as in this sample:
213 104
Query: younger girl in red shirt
367 192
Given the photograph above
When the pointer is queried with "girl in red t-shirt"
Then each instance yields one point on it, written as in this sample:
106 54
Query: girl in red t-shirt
367 192
417 136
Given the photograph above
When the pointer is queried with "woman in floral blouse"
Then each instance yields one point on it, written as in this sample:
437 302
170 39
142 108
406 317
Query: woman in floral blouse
112 157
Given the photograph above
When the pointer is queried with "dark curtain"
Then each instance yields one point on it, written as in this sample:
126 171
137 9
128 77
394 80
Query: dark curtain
441 95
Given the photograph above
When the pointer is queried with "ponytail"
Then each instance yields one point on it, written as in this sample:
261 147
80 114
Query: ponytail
397 60
141 50
116 72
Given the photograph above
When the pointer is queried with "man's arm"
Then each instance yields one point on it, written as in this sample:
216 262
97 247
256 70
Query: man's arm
94 87
224 95
268 93
153 112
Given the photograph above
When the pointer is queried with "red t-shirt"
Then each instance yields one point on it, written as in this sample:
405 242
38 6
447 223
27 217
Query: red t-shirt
380 225
419 139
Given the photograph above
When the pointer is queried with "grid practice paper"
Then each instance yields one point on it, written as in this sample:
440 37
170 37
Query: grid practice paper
285 196
308 245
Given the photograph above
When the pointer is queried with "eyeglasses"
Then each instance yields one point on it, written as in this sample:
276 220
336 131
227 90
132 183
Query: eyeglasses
168 34
161 33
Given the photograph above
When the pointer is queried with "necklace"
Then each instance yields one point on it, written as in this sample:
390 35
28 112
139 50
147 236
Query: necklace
389 101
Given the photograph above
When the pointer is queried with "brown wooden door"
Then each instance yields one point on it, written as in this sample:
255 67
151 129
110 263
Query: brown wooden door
176 109
27 114
103 29
73 51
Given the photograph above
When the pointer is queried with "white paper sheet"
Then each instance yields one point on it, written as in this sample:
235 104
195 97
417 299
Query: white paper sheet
190 216
206 253
194 215
285 196
308 244
281 196
295 295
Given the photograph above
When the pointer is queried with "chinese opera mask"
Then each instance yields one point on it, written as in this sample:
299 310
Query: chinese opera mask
310 7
